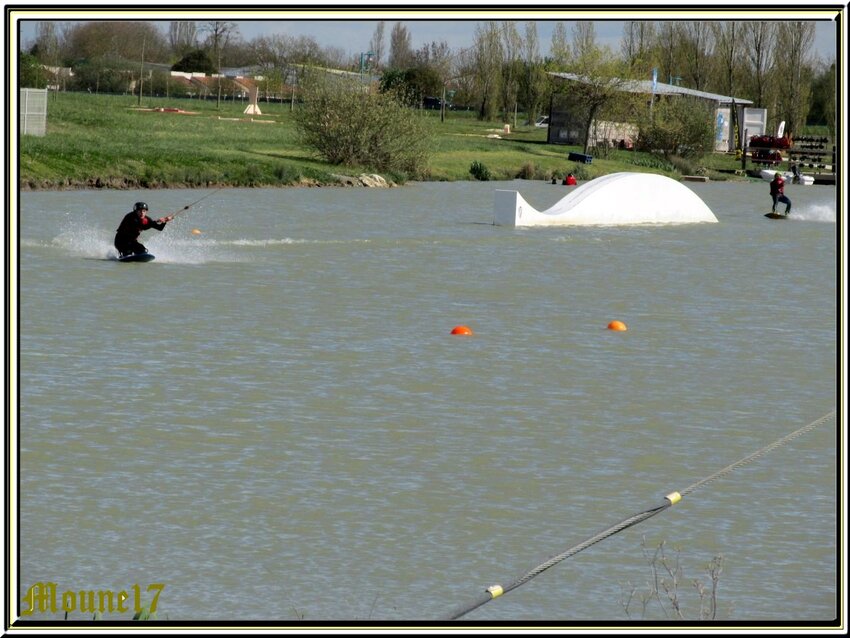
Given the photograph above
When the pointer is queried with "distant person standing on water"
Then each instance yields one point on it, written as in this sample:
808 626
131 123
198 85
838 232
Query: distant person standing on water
777 192
134 222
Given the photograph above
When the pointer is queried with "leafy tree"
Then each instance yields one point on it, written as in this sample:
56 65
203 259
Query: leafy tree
412 85
823 99
103 75
30 73
196 61
599 83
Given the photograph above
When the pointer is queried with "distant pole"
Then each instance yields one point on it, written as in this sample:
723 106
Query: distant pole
365 60
654 86
443 105
142 70
218 99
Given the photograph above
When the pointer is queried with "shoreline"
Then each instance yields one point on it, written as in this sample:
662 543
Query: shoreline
362 180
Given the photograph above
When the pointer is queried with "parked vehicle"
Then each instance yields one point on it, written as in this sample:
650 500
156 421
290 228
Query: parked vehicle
436 103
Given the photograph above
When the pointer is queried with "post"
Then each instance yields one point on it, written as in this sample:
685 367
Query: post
654 86
744 154
218 75
368 61
443 105
141 70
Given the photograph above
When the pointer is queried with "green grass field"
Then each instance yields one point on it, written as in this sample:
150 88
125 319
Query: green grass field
114 142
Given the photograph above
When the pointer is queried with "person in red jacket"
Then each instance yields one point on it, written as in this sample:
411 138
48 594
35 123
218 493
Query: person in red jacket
570 180
777 192
134 222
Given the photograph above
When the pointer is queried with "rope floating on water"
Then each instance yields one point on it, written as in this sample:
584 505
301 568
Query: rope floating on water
494 591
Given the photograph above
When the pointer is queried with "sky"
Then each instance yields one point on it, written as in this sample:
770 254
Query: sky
353 35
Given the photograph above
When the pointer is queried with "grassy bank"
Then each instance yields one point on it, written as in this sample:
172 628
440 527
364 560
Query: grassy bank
105 141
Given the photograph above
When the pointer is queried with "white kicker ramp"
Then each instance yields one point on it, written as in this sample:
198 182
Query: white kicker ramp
619 198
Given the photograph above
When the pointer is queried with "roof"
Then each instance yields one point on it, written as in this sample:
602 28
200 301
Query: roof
645 86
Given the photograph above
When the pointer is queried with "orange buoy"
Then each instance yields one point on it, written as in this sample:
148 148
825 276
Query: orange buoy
461 330
195 231
617 325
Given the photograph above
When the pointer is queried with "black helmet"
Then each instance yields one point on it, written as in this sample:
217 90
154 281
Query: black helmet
140 206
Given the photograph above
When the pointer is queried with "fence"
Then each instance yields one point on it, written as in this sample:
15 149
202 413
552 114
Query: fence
33 111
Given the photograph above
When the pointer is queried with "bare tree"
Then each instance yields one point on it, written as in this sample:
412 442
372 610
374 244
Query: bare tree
667 50
760 38
47 45
401 53
584 39
560 48
487 68
534 82
182 36
636 45
697 42
273 55
795 39
284 58
511 45
727 51
221 33
376 44
99 39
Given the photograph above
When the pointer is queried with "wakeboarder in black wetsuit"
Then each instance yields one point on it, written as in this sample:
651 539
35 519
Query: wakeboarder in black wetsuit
127 237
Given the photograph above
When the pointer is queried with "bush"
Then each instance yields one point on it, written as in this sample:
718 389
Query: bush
528 170
581 172
349 125
679 126
479 171
650 161
685 166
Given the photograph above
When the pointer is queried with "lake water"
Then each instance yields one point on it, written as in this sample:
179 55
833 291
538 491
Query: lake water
273 420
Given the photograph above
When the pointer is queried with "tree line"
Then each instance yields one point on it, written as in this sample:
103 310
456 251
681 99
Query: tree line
502 73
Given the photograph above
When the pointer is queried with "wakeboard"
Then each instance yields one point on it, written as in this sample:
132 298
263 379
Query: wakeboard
140 257
776 216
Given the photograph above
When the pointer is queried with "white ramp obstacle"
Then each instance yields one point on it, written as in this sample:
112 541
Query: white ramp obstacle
619 198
